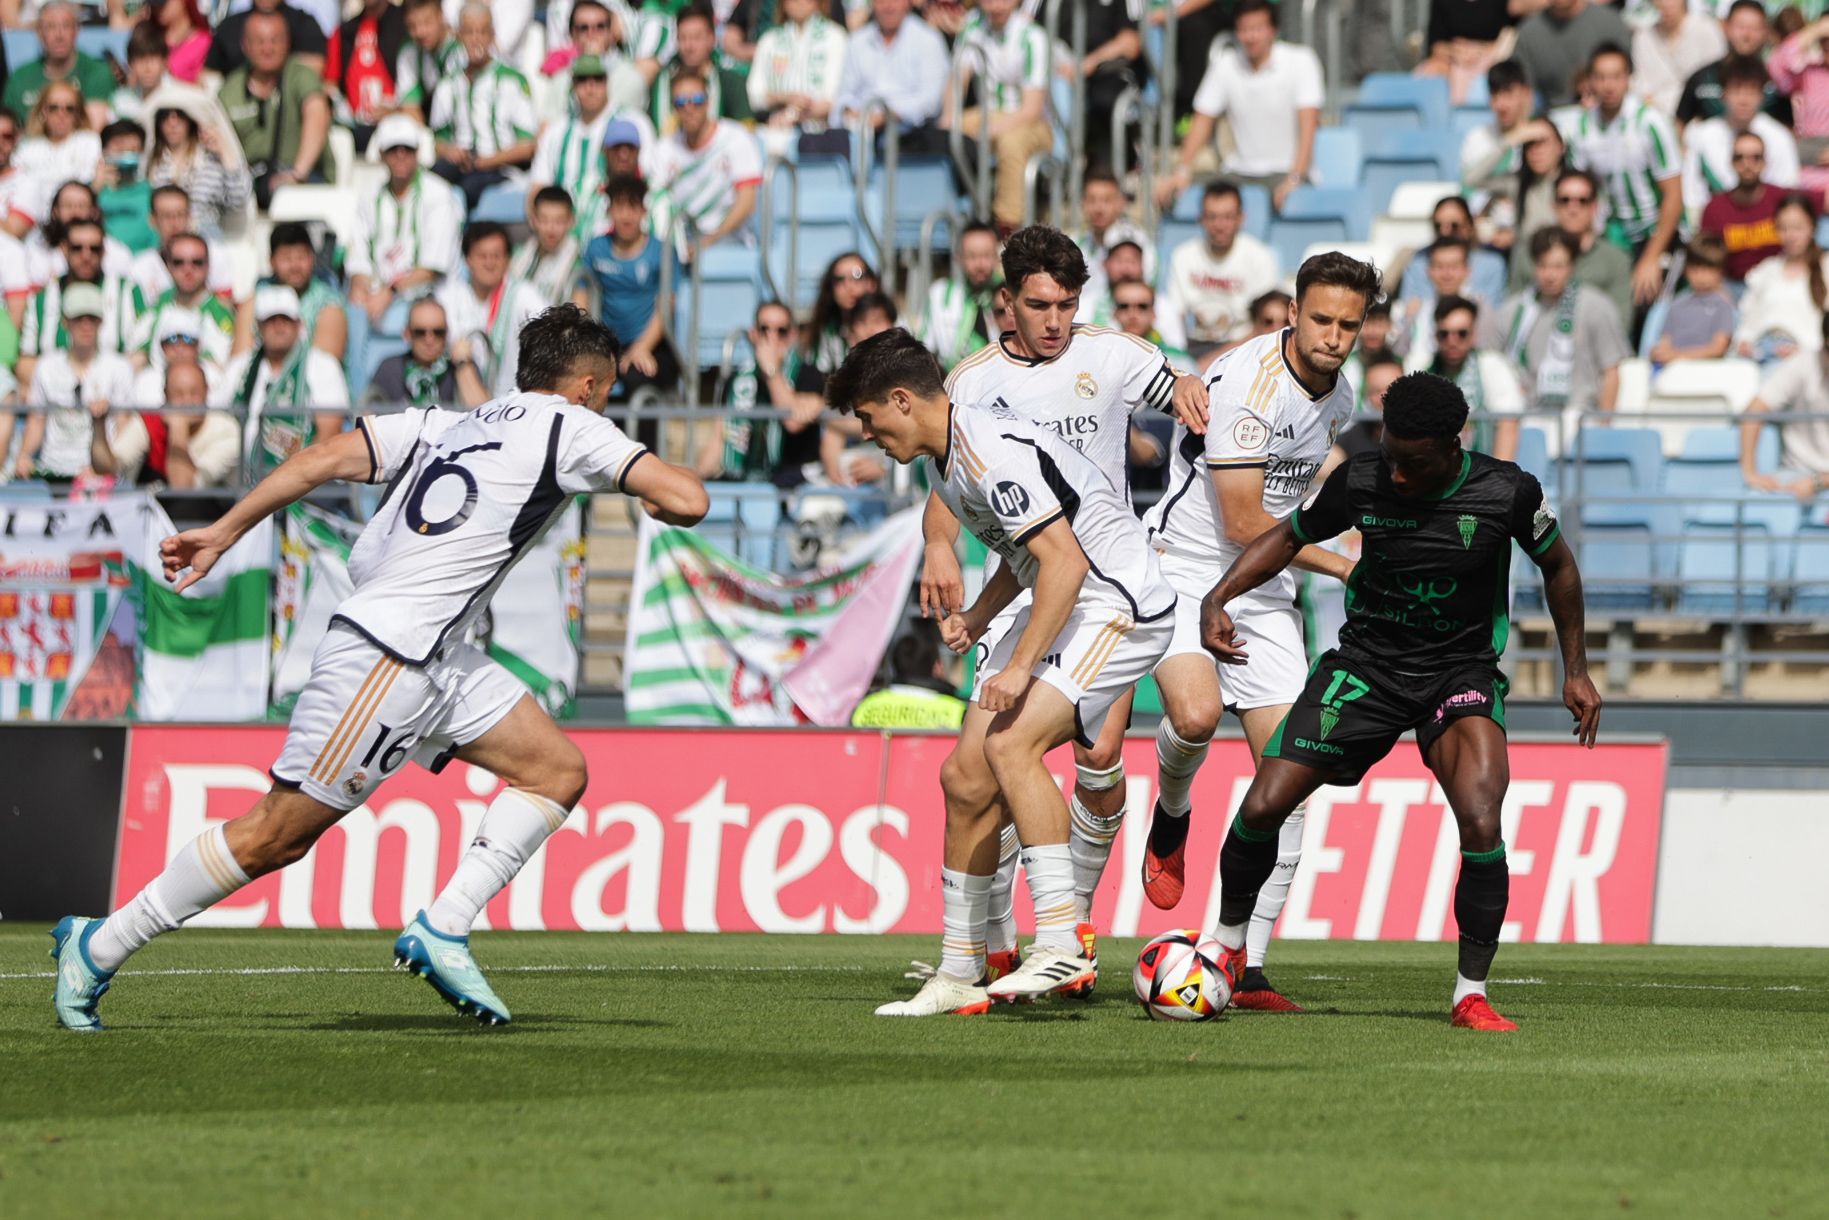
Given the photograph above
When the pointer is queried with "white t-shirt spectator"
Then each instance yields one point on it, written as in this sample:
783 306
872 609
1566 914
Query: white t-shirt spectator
1215 294
1708 163
150 274
1799 386
484 114
68 426
1660 69
1777 307
1264 103
807 58
700 185
467 315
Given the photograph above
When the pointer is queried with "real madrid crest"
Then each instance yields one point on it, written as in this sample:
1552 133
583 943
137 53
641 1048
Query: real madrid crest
1085 386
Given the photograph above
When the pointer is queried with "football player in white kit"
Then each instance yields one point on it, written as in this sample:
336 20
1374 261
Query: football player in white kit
1084 383
394 678
1276 404
1099 618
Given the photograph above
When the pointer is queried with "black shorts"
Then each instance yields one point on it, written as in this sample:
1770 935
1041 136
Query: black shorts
1351 713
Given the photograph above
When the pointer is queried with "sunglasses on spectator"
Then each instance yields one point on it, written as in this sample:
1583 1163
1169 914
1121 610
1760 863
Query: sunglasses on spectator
589 27
1457 332
427 332
689 99
1749 156
85 248
188 262
63 107
1121 306
1574 199
778 331
180 338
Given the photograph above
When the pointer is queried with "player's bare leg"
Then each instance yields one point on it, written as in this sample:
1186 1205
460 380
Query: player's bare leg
1471 764
1191 711
1016 746
969 858
1254 990
1250 852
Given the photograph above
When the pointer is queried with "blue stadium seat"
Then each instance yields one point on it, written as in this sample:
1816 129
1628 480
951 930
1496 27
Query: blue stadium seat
923 185
1292 238
731 282
1704 478
827 192
1654 326
1722 444
819 243
1641 448
100 42
1170 234
1402 144
22 47
1187 204
1339 158
1810 572
1477 94
1253 198
1534 456
1369 121
1618 564
1427 95
1323 203
504 203
22 491
1599 478
1715 560
742 521
1468 118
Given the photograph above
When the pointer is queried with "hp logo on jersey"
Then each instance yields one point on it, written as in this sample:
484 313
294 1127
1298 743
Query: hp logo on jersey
1009 500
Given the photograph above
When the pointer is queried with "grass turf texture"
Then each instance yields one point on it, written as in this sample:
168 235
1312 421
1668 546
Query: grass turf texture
692 1075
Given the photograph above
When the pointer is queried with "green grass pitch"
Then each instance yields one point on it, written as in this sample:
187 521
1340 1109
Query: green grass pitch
272 1074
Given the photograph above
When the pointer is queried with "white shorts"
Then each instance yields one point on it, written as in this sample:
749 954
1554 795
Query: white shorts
1271 629
1098 656
363 714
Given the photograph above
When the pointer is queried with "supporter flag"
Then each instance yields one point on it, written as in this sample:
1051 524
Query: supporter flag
712 640
63 574
203 652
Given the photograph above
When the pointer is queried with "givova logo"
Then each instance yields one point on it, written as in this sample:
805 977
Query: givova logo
1009 499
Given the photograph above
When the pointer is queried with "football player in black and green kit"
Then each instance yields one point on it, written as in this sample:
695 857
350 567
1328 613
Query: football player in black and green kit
1427 615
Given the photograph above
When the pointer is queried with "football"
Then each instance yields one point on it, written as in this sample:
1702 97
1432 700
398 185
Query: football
1179 978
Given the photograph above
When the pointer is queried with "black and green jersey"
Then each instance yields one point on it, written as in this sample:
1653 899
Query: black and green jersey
1430 588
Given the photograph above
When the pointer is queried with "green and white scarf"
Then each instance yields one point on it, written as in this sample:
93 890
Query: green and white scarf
423 380
281 435
1556 370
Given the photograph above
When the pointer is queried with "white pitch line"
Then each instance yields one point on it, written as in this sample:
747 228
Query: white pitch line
584 969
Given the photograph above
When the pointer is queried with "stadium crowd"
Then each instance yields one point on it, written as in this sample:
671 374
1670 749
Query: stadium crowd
568 153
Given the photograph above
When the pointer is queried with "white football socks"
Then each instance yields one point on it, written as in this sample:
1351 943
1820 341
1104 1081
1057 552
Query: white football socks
1000 908
1090 841
1463 987
1177 759
963 899
202 875
515 825
1050 872
1275 893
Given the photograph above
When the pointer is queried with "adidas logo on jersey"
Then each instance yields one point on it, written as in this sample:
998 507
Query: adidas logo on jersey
1286 433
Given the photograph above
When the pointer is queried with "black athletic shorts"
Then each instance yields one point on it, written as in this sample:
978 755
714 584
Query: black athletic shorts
1351 712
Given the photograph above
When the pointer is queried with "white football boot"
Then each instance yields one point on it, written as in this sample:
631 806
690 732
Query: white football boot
939 995
1044 969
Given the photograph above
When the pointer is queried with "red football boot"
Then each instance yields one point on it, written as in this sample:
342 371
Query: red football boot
1165 872
1473 1012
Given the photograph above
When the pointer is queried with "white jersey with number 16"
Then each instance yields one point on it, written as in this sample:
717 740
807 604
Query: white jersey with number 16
467 494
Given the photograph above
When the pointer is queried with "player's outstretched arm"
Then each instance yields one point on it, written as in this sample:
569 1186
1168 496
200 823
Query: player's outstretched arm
343 456
670 494
1272 551
1240 491
942 584
1562 592
1062 570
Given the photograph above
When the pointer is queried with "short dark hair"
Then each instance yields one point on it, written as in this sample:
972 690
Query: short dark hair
482 230
626 188
1452 243
1744 70
1040 250
1571 174
123 127
170 188
290 233
1754 5
554 194
976 226
555 341
892 360
1751 135
409 5
1451 201
872 302
1707 249
1424 407
146 41
1221 188
1609 48
1451 303
165 250
596 4
1276 296
1147 287
1506 74
1100 173
1256 6
1336 270
698 10
916 652
1549 237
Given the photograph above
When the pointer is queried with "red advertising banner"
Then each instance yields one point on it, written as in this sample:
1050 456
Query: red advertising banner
801 831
